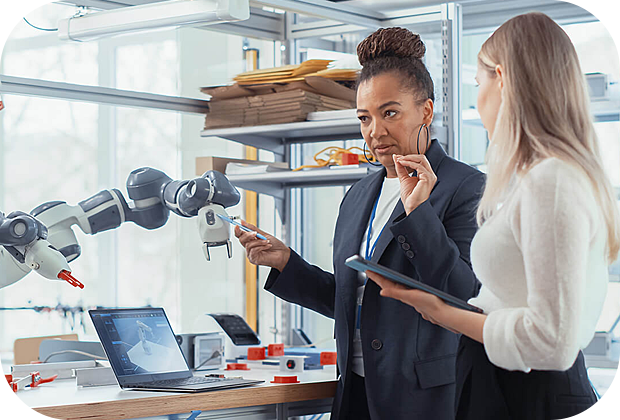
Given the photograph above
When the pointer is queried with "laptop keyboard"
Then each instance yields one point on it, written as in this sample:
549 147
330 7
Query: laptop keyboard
184 381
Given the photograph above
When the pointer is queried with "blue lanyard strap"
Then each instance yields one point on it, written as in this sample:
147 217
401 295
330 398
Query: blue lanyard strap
369 250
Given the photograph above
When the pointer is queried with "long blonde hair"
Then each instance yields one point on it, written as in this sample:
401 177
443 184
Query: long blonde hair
544 113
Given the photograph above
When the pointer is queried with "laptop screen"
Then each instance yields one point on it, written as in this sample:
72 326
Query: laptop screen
139 343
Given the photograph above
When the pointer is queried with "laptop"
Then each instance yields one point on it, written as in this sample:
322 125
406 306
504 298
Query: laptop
145 355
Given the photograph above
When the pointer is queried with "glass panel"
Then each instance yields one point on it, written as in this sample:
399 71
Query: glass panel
61 152
210 58
147 260
149 67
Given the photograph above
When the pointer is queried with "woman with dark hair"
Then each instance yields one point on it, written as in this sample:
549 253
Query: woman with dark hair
417 216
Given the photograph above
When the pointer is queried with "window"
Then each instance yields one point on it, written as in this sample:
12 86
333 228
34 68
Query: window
75 149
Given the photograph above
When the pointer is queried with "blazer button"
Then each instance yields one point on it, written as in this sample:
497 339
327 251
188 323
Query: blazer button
401 239
376 344
406 246
409 254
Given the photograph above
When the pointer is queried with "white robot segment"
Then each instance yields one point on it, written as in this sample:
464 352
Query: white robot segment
24 247
142 330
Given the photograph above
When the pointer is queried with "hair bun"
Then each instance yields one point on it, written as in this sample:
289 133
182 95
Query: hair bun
385 42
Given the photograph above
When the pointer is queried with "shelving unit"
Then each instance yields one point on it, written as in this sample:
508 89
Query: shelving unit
276 137
276 183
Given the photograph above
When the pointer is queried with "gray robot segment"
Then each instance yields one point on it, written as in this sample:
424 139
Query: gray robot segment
194 195
96 200
225 194
19 228
71 252
146 183
107 219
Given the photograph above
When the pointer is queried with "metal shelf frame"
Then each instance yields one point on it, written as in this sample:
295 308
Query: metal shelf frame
100 95
277 183
276 137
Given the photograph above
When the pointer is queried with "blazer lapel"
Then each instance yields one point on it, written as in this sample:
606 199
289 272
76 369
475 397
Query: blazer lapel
386 236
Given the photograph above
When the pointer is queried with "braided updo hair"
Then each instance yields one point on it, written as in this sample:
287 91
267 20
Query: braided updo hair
400 51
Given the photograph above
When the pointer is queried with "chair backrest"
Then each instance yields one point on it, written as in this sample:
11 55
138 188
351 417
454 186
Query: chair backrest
26 350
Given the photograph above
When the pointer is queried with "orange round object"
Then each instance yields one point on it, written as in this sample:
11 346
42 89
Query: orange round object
275 350
328 358
285 380
256 353
237 366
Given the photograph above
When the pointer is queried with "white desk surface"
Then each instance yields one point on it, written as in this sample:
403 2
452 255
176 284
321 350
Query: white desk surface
63 399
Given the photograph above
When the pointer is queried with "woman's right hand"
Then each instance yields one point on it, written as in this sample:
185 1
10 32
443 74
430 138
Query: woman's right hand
272 252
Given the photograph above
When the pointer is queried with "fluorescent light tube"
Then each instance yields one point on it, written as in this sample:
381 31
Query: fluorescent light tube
165 14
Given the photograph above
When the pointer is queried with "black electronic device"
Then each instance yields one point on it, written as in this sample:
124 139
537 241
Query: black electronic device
358 263
240 333
145 355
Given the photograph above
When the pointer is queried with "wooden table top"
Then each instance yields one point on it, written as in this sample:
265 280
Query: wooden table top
64 400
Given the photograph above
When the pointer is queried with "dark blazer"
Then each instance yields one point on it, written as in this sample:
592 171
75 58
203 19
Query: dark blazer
409 363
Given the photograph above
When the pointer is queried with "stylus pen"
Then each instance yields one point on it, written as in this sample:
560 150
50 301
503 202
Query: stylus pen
246 229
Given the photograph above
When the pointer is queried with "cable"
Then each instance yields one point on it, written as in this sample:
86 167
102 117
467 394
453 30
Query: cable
335 157
83 353
41 29
215 354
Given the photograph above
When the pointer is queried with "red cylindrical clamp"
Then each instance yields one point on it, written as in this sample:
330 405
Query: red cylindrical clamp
285 380
275 350
256 353
328 358
237 366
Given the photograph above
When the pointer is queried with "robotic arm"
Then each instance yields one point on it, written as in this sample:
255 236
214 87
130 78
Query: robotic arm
153 195
142 330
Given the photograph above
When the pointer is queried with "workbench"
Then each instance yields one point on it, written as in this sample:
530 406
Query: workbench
62 399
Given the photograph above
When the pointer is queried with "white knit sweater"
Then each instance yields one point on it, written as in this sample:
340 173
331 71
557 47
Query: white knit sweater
542 263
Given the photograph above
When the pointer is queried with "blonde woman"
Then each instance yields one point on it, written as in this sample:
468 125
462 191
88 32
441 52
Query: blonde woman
549 227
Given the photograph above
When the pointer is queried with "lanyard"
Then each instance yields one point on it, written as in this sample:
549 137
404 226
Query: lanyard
369 250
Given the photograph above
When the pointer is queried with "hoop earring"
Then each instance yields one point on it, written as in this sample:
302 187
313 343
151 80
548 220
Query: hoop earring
367 159
428 137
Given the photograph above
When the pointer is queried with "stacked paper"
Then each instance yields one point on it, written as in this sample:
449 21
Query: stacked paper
280 95
284 74
273 108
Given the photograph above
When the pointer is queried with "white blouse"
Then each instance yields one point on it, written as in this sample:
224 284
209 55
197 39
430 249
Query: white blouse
541 259
388 199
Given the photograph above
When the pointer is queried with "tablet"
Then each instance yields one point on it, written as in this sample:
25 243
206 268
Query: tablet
360 264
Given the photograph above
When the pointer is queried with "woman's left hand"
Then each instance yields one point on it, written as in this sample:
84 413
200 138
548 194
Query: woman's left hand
414 190
428 305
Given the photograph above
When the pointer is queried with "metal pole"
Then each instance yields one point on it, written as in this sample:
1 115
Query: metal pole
451 37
